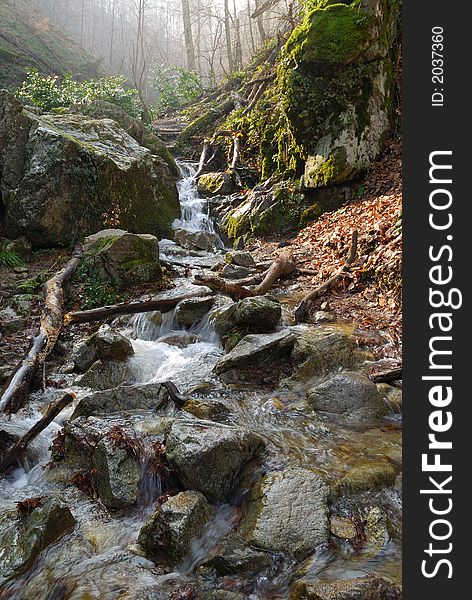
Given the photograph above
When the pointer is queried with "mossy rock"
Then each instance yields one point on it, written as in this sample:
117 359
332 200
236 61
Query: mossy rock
67 176
336 75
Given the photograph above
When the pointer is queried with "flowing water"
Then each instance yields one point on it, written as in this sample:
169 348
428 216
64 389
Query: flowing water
100 558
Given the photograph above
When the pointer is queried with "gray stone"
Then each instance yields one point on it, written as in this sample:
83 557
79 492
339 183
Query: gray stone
10 321
175 523
20 246
116 475
123 259
255 315
350 394
197 240
104 375
212 184
240 258
287 511
257 358
365 476
65 176
147 396
320 350
191 311
21 303
364 588
111 345
83 356
208 457
24 536
235 272
233 557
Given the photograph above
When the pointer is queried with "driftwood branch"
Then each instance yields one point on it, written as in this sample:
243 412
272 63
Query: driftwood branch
16 390
281 267
125 308
302 309
14 454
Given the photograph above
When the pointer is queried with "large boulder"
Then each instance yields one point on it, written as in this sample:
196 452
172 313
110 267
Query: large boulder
24 534
337 75
250 315
287 511
212 184
147 396
101 109
364 588
116 474
106 374
192 310
172 527
106 343
350 394
257 358
123 259
208 457
66 176
197 240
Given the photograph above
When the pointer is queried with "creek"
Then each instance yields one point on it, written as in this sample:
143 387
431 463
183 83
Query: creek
100 558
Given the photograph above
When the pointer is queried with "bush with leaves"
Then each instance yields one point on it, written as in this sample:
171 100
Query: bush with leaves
175 86
51 92
10 259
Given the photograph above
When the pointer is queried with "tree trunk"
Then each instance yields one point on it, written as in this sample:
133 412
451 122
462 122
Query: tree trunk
189 45
16 391
13 454
229 48
126 308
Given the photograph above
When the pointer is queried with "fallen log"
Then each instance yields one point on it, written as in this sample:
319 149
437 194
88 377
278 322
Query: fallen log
17 387
177 398
281 267
14 454
302 309
125 308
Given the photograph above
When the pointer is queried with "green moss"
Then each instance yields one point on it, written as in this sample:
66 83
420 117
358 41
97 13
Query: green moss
336 33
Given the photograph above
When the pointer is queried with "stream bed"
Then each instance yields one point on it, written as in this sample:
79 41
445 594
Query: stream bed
282 492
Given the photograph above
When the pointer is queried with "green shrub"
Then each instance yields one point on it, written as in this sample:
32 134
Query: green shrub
51 92
175 87
10 259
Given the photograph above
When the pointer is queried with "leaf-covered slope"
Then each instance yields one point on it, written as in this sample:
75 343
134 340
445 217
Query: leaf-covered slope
29 40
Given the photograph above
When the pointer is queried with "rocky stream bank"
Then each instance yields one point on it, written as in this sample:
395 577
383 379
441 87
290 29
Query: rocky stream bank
277 475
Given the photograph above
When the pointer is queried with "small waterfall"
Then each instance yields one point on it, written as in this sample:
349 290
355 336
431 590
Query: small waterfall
195 209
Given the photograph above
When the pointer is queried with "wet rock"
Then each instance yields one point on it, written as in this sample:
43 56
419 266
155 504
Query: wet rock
222 595
116 475
78 171
366 476
240 258
208 457
24 536
235 272
212 184
376 529
83 356
191 311
365 588
255 315
123 259
181 341
21 303
175 523
235 557
257 358
10 321
392 395
342 527
104 375
318 350
287 511
197 240
111 345
122 398
350 394
210 410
